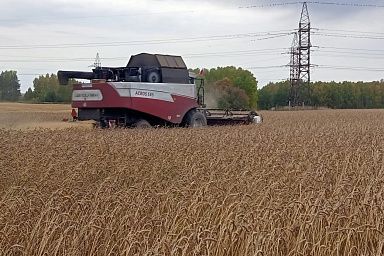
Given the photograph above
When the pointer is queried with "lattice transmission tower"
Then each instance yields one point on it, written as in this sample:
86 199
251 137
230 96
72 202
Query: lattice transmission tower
300 63
97 62
294 72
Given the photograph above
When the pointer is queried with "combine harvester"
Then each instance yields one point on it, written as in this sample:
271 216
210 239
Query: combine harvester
152 90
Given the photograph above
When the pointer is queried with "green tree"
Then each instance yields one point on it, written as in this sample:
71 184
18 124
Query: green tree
274 94
229 96
45 87
29 95
48 89
9 86
64 93
240 78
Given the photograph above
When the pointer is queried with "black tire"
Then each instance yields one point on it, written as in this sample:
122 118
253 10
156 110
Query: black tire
153 77
195 119
142 124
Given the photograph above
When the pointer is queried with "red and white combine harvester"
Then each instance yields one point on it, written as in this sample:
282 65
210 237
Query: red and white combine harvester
151 90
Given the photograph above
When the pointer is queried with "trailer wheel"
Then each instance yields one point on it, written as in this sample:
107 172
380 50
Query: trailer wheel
196 119
153 77
142 124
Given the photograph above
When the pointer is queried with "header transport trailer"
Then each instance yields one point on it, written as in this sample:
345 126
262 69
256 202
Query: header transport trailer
151 90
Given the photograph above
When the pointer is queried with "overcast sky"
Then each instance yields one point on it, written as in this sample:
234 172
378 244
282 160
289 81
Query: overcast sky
39 37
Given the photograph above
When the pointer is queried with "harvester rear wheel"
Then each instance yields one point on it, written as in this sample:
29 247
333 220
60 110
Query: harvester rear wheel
142 124
196 119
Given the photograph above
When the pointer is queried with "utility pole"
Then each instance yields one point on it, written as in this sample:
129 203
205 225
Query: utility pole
301 61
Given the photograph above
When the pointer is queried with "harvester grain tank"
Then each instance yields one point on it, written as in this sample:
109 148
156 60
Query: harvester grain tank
153 89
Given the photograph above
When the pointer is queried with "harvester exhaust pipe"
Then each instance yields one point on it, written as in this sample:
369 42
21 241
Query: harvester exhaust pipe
64 76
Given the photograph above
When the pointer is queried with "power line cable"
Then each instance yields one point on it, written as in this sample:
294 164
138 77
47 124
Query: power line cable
350 31
97 16
266 67
30 74
258 52
146 42
241 52
352 49
351 68
346 56
269 5
351 53
311 2
348 36
345 4
274 36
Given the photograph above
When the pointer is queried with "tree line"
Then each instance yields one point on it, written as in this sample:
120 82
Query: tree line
225 87
326 94
45 88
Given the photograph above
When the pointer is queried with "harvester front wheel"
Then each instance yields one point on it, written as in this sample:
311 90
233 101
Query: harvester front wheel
196 119
142 124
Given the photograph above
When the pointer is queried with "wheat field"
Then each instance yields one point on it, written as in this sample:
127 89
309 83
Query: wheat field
301 183
22 116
